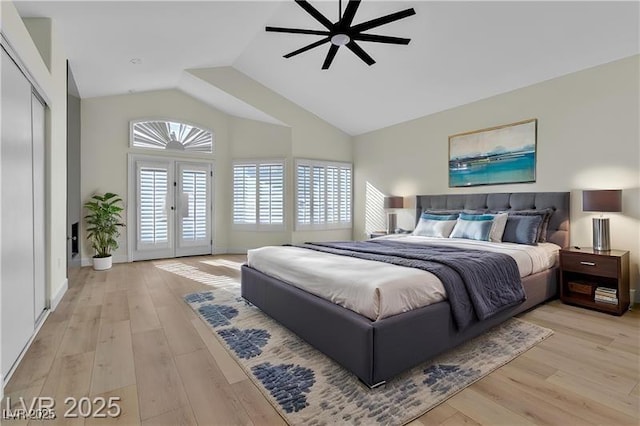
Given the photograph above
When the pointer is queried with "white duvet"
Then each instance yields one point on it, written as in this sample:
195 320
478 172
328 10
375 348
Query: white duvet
378 290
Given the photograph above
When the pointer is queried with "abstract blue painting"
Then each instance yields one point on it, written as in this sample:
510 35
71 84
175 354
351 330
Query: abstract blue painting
502 154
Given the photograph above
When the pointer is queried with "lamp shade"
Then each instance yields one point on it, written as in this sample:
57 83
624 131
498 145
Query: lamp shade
605 200
393 202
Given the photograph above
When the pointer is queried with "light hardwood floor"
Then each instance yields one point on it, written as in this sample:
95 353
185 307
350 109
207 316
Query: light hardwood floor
127 333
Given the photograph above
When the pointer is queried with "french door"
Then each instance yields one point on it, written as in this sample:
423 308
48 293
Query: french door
173 208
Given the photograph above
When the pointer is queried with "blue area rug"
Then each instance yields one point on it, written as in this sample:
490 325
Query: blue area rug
306 387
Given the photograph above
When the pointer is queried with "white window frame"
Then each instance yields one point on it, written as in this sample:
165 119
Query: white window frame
156 151
257 226
323 225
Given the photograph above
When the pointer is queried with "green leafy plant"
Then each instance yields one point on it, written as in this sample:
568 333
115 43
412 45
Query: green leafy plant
103 223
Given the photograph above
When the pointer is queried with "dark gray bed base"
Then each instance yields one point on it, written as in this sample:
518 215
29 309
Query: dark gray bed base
376 351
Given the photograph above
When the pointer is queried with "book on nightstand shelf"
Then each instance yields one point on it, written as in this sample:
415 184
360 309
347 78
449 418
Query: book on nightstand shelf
606 295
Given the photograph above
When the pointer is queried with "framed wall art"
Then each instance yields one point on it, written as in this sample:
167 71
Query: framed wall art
497 155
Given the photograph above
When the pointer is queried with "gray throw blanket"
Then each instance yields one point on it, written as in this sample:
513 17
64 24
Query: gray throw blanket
479 284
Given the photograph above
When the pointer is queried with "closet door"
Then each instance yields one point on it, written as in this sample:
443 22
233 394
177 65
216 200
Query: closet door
17 214
37 138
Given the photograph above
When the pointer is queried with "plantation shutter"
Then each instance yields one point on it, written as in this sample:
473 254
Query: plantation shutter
244 194
271 194
258 195
194 210
345 195
323 195
152 208
319 195
303 194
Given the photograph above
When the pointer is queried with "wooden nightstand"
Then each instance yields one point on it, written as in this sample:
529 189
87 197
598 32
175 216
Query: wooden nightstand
583 270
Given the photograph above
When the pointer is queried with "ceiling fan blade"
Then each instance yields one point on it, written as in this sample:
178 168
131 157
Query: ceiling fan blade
332 54
307 47
314 12
361 53
349 13
381 39
295 31
383 20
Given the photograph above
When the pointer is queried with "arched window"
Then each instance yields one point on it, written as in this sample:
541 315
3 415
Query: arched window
170 135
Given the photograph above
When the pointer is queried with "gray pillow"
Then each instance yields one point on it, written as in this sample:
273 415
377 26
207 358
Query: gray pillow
544 226
522 229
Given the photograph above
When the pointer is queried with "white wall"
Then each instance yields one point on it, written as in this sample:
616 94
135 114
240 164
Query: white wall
105 145
51 80
588 138
105 139
311 137
254 140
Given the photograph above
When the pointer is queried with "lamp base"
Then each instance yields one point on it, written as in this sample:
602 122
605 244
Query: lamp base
601 240
391 223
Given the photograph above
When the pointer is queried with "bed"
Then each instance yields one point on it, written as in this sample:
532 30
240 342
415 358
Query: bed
377 350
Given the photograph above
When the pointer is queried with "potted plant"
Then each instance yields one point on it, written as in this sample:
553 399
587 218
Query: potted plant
103 223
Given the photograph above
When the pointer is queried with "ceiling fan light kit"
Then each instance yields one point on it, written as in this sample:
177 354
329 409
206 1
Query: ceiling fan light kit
343 33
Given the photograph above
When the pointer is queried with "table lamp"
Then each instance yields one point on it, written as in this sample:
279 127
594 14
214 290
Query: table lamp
391 203
604 200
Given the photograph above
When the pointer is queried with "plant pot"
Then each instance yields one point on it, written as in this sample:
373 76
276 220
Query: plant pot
102 263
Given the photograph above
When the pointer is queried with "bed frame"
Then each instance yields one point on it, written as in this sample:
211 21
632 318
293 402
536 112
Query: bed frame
376 351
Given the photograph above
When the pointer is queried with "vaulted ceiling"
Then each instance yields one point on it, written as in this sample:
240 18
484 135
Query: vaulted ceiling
459 51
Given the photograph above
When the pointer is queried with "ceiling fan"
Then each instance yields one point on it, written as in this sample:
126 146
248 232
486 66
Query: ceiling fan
343 33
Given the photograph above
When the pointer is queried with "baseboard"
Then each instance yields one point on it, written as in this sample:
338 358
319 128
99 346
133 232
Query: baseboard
56 298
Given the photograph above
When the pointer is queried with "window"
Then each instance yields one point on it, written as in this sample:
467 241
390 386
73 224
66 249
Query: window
152 213
170 135
258 195
323 195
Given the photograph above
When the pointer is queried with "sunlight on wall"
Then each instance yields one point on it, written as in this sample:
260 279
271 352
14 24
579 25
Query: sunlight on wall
374 210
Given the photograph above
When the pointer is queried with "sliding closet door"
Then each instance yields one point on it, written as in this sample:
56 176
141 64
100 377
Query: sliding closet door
38 132
17 218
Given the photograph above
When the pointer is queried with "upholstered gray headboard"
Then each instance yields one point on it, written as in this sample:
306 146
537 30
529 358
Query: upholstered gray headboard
558 232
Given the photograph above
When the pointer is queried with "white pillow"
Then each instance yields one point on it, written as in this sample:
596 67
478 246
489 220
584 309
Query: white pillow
473 227
435 226
497 228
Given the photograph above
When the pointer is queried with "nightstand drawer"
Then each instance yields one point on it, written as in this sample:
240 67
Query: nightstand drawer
594 265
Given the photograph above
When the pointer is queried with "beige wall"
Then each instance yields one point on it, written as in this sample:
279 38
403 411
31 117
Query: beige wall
588 138
311 137
105 146
255 140
51 80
